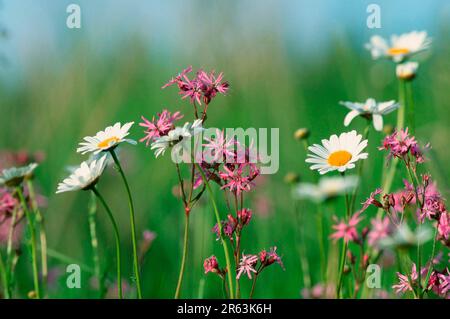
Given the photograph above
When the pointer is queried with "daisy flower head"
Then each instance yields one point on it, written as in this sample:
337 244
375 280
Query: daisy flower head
407 70
106 140
177 139
14 176
83 177
370 109
400 47
327 188
338 153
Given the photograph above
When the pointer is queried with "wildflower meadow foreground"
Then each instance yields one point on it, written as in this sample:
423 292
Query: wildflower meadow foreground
340 242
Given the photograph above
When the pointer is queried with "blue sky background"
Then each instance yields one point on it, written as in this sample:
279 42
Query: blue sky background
37 27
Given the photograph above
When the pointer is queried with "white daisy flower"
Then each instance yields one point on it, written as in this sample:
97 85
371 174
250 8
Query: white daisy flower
407 70
328 187
84 176
107 139
370 109
15 175
338 153
178 138
400 47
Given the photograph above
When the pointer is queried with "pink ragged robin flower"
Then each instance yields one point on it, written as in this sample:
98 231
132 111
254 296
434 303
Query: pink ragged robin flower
372 200
380 229
270 257
7 201
444 227
444 282
400 144
228 228
247 265
219 148
405 282
179 78
347 230
211 265
159 126
211 85
239 178
244 215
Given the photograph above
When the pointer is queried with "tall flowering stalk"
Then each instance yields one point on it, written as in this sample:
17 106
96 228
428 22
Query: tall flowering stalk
162 133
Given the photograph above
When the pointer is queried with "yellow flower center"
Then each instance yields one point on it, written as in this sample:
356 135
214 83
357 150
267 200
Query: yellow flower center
398 51
339 158
109 141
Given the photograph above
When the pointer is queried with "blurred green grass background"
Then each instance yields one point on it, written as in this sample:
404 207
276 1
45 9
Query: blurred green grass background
54 105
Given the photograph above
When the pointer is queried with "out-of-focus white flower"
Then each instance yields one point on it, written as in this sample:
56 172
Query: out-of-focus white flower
328 187
370 108
400 47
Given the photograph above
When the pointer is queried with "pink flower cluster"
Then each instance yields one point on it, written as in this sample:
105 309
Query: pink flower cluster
347 230
159 126
401 145
7 205
438 282
203 87
249 263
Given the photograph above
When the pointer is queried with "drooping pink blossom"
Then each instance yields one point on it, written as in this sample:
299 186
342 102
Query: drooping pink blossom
444 282
444 226
372 200
211 265
347 230
246 265
159 126
270 257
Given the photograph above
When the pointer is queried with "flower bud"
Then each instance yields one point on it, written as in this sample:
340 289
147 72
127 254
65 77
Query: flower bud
407 71
301 134
388 129
291 178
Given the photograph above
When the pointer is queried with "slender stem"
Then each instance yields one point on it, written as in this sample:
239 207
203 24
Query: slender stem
183 260
94 243
68 260
4 278
320 233
219 224
360 171
117 238
255 277
133 225
42 234
431 260
9 249
411 109
32 242
343 252
302 248
402 101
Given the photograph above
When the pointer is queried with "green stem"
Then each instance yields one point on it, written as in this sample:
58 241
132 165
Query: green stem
219 224
9 249
94 244
4 279
360 171
32 242
183 260
402 101
320 233
411 108
255 277
133 225
42 234
343 252
302 249
431 261
117 238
